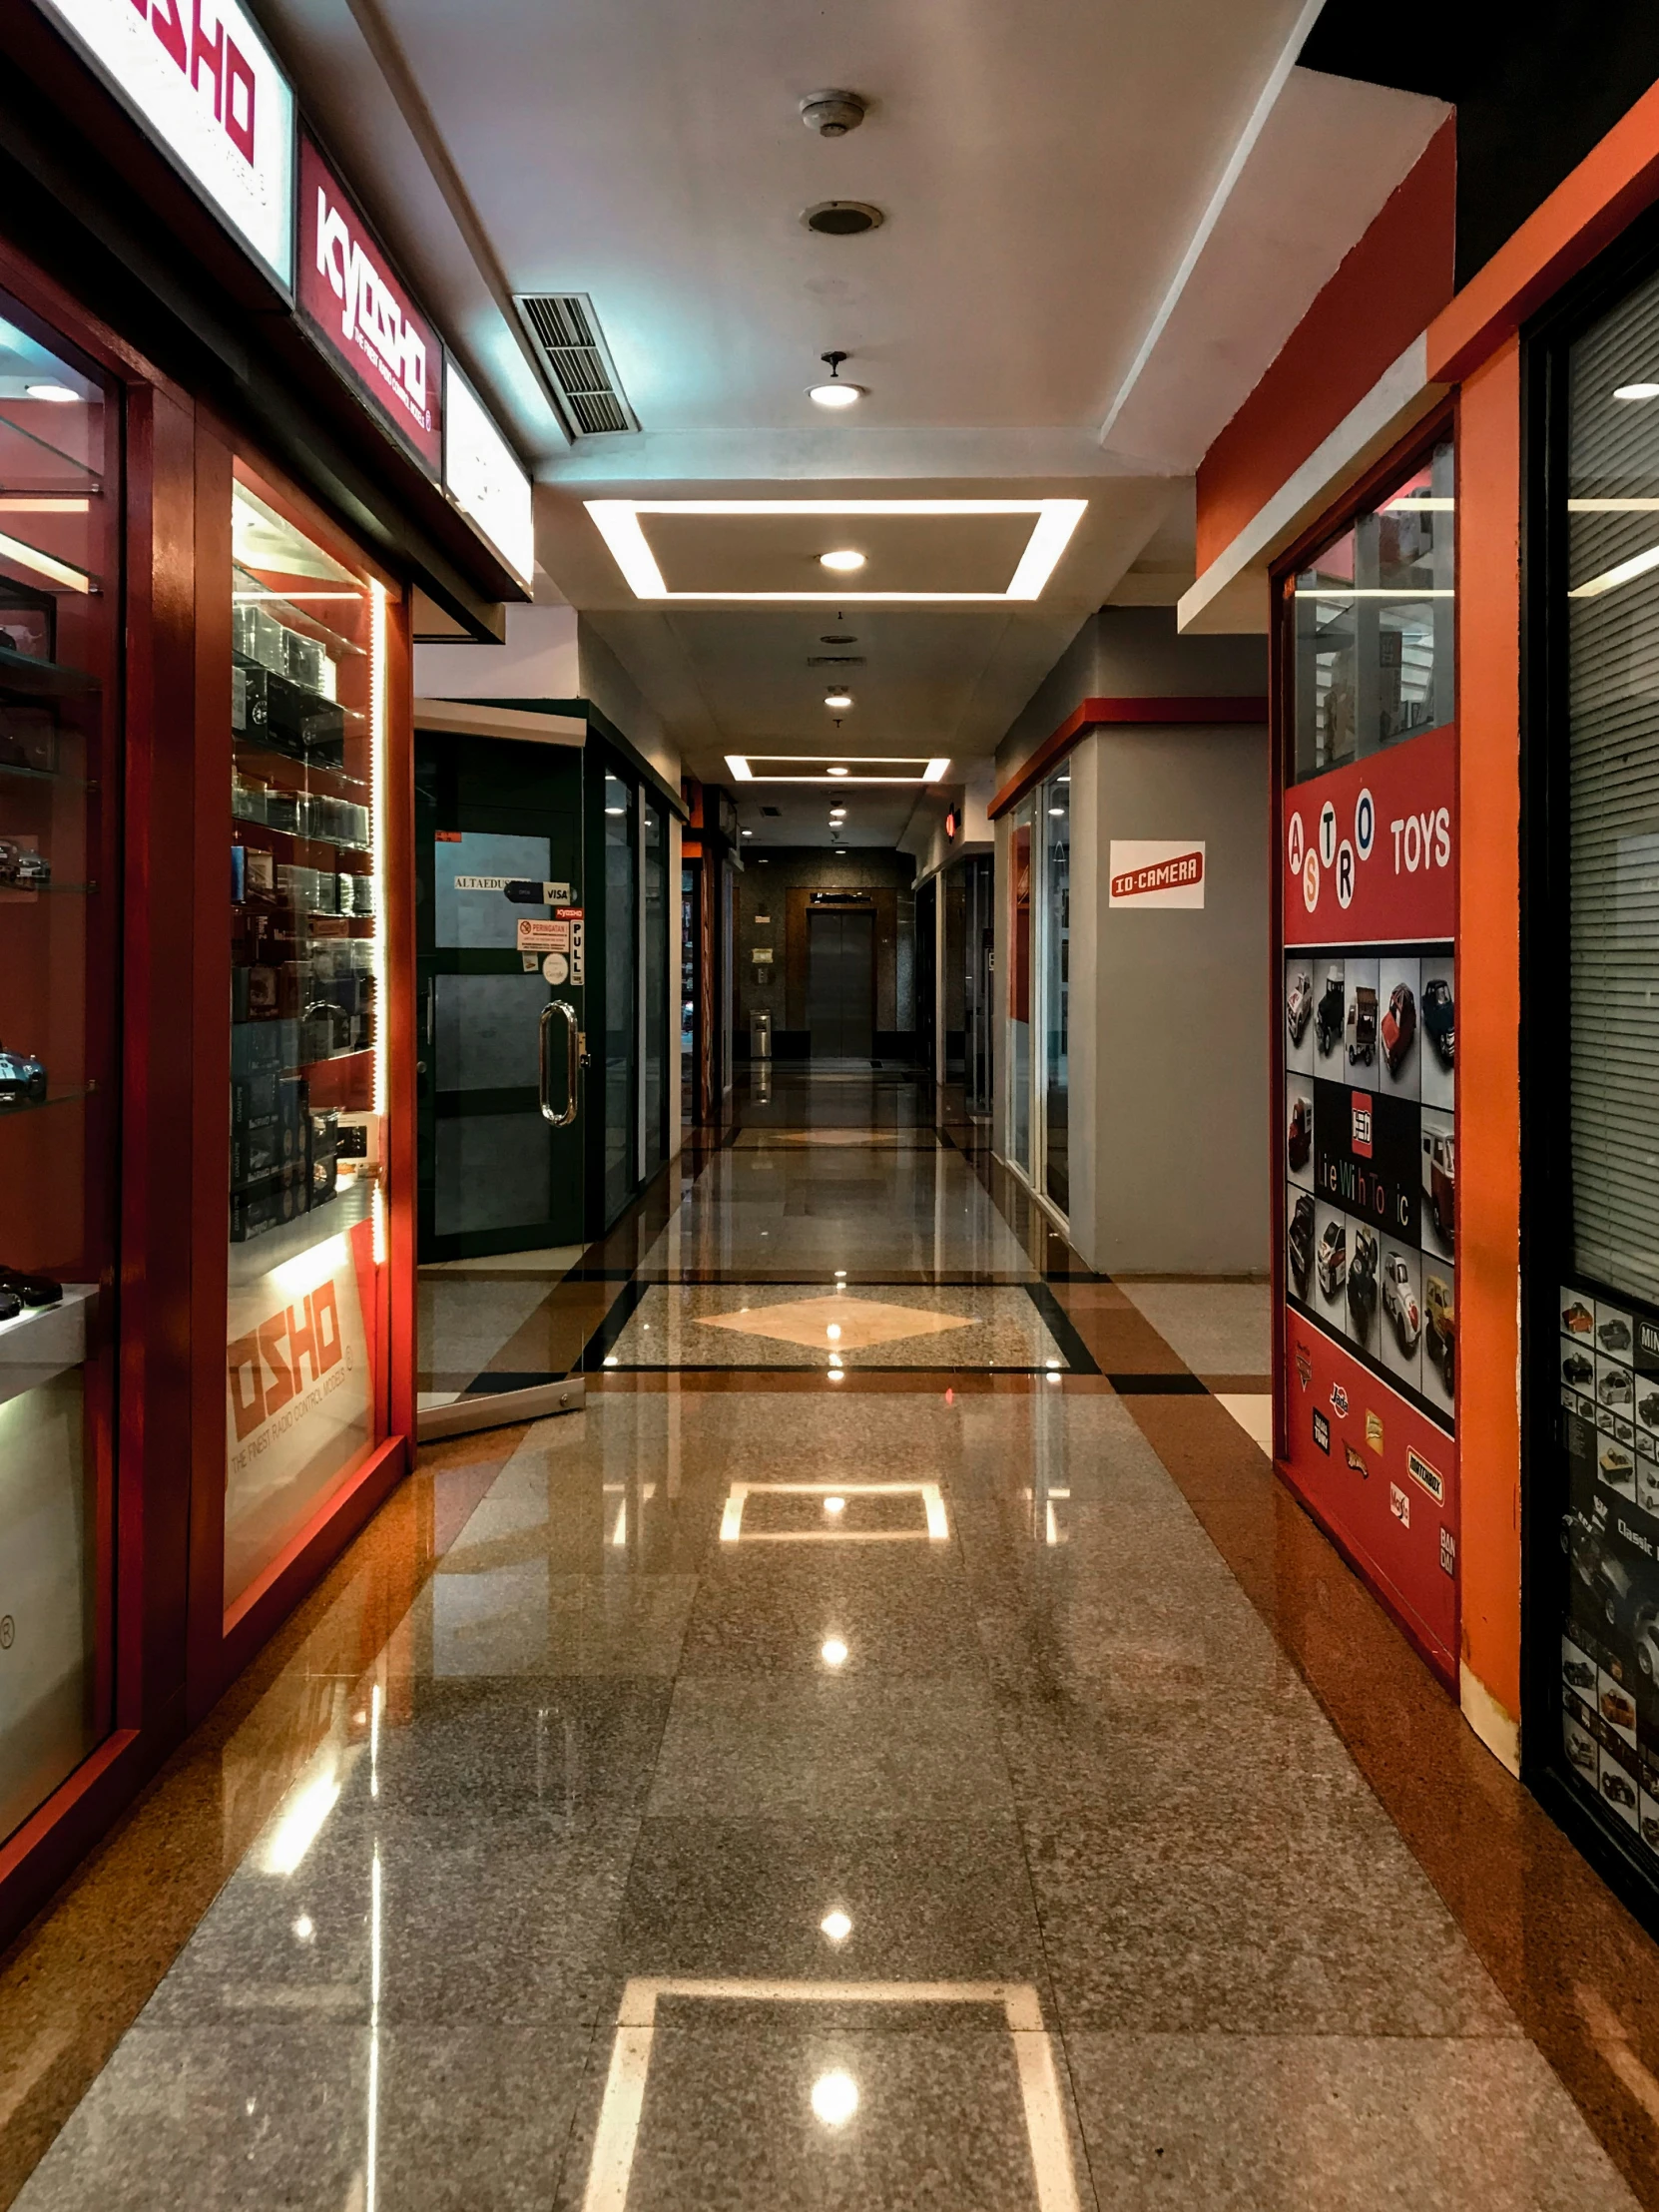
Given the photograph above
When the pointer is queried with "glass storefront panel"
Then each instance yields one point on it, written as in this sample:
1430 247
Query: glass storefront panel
1020 988
1374 632
1056 985
1602 1339
621 1003
308 1041
656 911
59 607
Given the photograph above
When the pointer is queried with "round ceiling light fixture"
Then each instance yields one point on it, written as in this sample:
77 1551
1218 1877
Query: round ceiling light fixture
831 392
838 638
59 395
842 218
833 114
844 561
837 697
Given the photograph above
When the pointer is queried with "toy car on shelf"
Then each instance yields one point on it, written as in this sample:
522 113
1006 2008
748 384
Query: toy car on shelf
1327 1017
1578 1371
1300 1140
33 1291
1400 1303
1439 1021
1361 1027
1301 1239
1578 1318
1299 1005
1399 1026
1439 1154
1439 1328
33 872
1614 1335
1332 1258
1362 1282
1615 1785
1614 1388
22 1079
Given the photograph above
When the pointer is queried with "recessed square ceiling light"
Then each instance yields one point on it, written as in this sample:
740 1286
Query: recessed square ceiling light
1053 521
816 768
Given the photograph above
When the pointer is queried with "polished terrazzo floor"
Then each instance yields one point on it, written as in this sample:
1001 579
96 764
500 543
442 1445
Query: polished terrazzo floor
972 1783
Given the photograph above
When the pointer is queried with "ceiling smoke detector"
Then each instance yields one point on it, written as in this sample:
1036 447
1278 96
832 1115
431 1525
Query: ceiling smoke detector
842 218
832 113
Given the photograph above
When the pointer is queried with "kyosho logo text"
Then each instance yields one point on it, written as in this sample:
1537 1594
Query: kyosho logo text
369 314
219 58
268 1366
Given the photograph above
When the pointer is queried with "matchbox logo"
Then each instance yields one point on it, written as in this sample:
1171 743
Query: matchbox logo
267 1368
1162 875
1359 1101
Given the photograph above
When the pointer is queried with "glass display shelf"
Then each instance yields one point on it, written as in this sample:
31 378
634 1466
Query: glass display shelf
36 679
39 1344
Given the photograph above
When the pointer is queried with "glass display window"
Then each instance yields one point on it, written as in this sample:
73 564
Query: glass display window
1019 986
305 1325
1374 631
60 611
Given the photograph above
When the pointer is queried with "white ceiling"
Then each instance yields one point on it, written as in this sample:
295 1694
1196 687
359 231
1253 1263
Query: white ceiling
1048 171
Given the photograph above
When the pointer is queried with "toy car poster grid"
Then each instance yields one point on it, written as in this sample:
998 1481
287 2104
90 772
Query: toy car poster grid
1608 1358
1368 1153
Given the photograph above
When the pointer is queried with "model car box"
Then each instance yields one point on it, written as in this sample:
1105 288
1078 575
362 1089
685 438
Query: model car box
273 1200
285 717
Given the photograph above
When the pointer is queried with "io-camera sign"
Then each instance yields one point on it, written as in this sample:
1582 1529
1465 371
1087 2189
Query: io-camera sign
1157 871
484 477
352 301
200 78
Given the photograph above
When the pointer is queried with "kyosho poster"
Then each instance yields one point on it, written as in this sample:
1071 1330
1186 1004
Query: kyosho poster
1367 1135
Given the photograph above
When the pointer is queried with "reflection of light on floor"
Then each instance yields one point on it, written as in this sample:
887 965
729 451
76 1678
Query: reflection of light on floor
937 1529
834 2098
1056 1534
617 2134
618 1533
837 1926
303 1811
832 1652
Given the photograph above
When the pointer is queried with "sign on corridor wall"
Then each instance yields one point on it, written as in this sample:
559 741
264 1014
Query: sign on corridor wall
1156 871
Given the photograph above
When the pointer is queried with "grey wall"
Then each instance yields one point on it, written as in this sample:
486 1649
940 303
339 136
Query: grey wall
1172 1010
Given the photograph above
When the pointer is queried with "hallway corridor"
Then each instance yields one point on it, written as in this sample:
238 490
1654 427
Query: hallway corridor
898 1747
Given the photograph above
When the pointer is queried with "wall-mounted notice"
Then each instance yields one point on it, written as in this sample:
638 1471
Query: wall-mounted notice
1156 871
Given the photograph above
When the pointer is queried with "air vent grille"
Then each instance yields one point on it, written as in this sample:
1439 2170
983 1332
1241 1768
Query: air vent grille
571 347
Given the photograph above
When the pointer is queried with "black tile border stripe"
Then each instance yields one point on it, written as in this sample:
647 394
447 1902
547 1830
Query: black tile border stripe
1159 1385
1076 1354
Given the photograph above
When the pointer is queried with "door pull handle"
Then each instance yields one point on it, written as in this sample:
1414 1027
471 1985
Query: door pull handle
572 1066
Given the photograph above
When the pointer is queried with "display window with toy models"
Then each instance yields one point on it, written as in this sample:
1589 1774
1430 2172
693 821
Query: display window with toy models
1366 1068
60 610
305 1364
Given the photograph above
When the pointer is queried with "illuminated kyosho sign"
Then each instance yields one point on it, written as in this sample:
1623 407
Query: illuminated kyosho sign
200 78
354 304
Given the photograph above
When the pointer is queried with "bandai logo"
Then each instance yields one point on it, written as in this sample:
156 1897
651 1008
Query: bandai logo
1322 1433
1339 1400
1359 1101
1399 1505
253 1398
1448 1553
1304 1365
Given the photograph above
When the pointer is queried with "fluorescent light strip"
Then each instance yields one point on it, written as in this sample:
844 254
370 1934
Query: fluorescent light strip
1610 579
617 521
43 504
43 563
743 769
1613 506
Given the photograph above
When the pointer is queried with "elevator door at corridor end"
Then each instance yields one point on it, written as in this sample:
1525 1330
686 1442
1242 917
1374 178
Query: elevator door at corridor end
841 985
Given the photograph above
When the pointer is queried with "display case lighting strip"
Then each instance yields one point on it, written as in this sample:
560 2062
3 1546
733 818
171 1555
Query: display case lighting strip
377 820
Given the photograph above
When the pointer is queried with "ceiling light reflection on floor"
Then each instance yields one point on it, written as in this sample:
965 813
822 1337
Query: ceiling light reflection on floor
832 1652
844 560
834 1505
834 2098
836 1926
